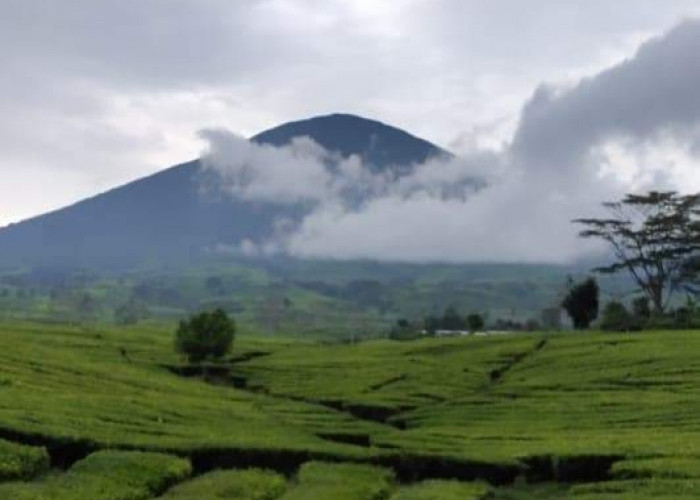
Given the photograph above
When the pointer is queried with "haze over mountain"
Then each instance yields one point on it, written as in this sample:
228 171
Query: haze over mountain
180 213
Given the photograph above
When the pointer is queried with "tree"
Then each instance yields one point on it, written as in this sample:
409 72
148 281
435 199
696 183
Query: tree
475 322
616 317
581 303
208 335
640 308
452 320
131 312
432 324
653 236
690 276
402 330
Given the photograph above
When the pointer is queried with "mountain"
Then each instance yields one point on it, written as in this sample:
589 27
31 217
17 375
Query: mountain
164 217
379 145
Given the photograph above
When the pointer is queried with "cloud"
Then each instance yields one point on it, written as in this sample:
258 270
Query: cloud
656 91
249 171
100 92
573 148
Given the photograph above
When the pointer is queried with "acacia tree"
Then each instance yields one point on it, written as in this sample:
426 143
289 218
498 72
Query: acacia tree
690 275
653 236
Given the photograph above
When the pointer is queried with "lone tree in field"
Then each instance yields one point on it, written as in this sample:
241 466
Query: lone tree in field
653 236
475 322
581 303
208 335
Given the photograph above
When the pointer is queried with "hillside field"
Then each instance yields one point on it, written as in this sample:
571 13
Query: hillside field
326 300
106 413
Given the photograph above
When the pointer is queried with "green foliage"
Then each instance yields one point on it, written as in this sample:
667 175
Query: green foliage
319 480
475 322
404 330
641 309
21 462
444 490
131 312
76 385
452 320
639 489
581 303
660 467
497 401
653 236
207 335
105 475
249 484
616 317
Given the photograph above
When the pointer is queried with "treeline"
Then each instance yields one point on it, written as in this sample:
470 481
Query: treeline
581 303
655 238
450 321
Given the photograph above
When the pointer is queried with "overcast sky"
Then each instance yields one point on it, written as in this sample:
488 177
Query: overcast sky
94 93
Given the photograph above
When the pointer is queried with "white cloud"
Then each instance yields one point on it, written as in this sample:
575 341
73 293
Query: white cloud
97 92
629 128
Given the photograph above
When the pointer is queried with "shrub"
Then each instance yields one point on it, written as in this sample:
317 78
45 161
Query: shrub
321 480
616 318
403 330
249 484
208 335
452 320
443 490
106 475
475 322
18 461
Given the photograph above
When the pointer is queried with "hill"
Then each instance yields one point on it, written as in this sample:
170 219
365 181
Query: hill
164 217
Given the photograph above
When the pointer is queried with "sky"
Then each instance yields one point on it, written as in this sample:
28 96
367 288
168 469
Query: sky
97 93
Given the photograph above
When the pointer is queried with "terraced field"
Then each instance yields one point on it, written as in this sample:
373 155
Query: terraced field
113 414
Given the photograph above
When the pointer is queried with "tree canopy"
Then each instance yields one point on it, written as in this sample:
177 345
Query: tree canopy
581 303
654 236
207 335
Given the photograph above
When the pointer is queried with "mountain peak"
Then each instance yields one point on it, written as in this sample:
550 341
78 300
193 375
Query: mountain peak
164 216
378 144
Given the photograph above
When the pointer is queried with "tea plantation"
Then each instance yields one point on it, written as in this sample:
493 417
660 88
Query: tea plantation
113 414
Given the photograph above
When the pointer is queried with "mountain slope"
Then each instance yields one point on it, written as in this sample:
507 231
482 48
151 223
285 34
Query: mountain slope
165 218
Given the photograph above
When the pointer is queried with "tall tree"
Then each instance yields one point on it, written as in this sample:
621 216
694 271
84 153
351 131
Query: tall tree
581 303
690 275
652 236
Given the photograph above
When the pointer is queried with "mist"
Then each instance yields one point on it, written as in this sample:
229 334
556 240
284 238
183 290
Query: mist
632 127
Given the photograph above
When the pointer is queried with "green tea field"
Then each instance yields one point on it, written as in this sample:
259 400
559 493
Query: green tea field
114 414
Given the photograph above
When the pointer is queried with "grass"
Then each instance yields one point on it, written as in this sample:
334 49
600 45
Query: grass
318 480
557 408
110 388
644 489
21 462
105 475
659 467
248 484
444 490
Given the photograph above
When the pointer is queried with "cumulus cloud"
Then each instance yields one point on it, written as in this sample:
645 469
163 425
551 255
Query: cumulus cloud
304 172
574 147
656 91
